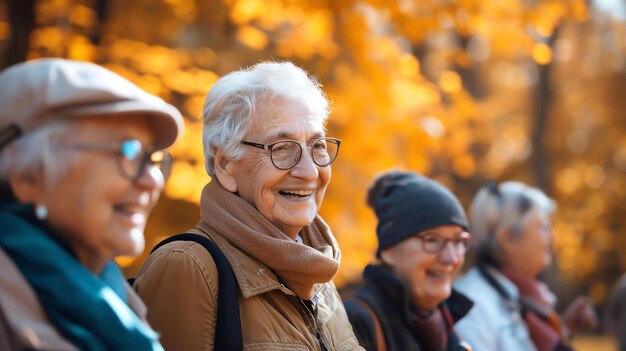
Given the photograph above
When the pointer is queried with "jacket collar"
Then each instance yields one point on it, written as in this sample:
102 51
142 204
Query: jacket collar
255 278
459 305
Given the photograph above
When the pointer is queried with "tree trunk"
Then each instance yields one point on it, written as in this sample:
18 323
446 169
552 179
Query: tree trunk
101 8
542 101
22 21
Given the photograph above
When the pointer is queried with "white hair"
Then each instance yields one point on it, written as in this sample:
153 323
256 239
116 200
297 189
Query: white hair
34 152
507 206
229 107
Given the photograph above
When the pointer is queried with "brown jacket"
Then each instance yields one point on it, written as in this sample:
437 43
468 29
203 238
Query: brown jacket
179 284
23 322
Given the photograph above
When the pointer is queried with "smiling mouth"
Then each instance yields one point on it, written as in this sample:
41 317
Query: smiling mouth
133 213
439 275
296 194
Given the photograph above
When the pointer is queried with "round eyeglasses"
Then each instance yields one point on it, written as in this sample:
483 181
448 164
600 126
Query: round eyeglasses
435 243
285 154
132 157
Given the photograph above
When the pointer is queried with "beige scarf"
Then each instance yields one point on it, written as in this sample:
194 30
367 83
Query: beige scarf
301 266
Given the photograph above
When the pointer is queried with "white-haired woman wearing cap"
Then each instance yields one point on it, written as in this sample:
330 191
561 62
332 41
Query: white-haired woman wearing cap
513 243
81 166
407 301
267 152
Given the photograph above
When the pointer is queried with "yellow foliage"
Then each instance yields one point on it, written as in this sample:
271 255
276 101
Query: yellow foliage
579 10
596 206
203 80
244 11
464 166
542 53
586 262
252 37
598 292
125 261
307 37
47 10
5 30
47 37
123 71
184 9
189 174
450 82
193 105
186 182
124 49
544 26
568 180
394 72
151 84
204 57
83 16
408 65
155 60
594 176
182 81
408 96
619 159
566 234
80 48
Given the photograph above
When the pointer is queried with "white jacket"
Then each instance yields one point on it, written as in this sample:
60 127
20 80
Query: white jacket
493 324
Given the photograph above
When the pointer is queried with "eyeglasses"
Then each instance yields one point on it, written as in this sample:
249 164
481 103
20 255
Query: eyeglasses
132 157
286 154
435 243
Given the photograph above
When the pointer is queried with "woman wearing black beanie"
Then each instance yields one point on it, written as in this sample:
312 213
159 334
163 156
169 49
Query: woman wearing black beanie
407 302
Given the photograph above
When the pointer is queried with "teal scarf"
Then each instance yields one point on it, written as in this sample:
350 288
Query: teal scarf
90 311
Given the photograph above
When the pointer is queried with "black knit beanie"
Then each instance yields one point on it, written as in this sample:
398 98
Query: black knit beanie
407 203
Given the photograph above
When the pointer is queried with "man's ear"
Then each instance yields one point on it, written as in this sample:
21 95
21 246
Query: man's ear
223 171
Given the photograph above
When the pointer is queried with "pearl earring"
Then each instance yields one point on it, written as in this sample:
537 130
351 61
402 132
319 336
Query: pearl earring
41 212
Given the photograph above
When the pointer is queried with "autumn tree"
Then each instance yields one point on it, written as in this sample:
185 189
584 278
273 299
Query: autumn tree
462 91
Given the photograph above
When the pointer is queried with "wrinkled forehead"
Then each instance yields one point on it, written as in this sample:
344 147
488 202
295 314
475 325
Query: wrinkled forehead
279 117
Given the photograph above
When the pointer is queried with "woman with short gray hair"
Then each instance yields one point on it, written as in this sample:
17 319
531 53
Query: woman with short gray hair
269 158
514 310
230 106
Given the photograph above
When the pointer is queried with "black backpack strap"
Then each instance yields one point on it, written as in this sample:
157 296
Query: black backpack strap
228 323
509 301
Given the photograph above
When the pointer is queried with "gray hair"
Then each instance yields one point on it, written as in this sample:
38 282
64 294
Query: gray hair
34 152
229 107
507 206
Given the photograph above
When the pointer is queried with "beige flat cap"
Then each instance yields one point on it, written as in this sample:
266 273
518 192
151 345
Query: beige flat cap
38 91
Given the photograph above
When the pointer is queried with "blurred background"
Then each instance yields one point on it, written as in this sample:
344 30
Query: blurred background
462 91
